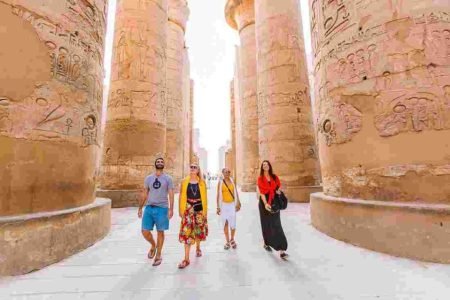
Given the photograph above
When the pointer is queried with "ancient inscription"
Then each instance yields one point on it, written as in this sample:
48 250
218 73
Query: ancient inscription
335 16
89 132
340 123
412 112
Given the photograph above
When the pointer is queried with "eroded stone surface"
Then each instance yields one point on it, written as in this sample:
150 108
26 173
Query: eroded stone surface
241 16
176 81
136 125
51 70
286 136
406 230
31 242
383 77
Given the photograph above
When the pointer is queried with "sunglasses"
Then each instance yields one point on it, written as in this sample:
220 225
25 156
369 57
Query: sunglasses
194 167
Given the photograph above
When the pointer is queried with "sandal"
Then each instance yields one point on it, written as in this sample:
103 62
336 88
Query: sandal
151 253
227 246
198 253
157 262
183 264
268 249
284 255
233 244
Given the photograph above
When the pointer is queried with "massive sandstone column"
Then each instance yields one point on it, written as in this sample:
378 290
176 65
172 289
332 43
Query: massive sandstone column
186 112
286 136
51 72
383 72
238 120
135 129
178 15
191 121
240 15
232 155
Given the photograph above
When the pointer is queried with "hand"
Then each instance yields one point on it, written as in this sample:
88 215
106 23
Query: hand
218 211
278 192
140 213
268 207
170 213
238 207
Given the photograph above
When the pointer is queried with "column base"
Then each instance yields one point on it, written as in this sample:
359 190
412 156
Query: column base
301 194
248 188
121 198
33 241
416 231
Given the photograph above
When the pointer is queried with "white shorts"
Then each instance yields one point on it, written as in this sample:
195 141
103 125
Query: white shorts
228 213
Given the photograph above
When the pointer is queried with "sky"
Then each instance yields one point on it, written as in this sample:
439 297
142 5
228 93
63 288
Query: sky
211 44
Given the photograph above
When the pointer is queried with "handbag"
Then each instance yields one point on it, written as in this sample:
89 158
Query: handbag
197 205
279 202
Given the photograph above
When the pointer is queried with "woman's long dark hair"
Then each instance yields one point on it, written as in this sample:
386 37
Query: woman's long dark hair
271 173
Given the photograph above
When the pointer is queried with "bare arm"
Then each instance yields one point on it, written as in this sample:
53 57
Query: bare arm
144 197
217 196
171 199
179 200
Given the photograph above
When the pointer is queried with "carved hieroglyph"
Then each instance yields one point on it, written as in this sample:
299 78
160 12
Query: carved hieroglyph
240 15
286 136
136 123
178 15
383 77
51 71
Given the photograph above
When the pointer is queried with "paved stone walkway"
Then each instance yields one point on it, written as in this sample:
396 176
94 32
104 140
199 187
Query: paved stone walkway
318 268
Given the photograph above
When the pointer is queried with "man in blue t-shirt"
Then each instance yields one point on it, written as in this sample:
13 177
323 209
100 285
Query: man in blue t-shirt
158 194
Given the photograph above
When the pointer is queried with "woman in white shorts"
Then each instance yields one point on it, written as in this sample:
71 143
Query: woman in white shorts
227 205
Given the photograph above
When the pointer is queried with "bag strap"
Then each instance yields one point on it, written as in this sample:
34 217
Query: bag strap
232 194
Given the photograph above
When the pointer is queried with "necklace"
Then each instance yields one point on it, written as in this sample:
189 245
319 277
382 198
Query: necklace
192 190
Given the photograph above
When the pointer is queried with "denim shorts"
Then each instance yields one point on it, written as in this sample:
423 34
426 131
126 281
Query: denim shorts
155 215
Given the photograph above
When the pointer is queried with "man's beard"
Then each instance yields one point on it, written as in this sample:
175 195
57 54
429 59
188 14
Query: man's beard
159 167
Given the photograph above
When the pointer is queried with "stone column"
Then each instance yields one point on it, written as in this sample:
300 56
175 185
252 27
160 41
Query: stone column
178 15
135 128
186 112
383 71
191 121
238 119
51 72
286 135
240 15
232 162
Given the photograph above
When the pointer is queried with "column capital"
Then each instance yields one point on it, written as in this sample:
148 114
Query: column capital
240 13
179 12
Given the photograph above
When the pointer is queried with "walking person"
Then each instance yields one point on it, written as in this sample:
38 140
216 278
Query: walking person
228 204
267 186
193 210
158 199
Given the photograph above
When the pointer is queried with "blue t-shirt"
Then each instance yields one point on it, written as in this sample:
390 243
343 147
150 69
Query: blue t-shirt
158 187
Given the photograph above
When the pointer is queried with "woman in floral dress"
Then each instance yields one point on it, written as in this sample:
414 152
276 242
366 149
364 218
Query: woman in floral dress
193 211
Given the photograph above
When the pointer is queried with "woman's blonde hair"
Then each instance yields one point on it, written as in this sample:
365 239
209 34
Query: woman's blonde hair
200 174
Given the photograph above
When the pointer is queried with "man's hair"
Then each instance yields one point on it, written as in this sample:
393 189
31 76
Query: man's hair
159 158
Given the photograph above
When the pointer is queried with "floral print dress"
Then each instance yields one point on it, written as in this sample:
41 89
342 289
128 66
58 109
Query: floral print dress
194 225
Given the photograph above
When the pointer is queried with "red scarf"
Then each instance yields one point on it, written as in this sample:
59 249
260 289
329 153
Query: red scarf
268 188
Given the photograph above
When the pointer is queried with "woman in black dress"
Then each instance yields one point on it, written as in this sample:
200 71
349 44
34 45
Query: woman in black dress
267 186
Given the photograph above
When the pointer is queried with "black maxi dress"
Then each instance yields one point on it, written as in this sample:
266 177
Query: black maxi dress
272 230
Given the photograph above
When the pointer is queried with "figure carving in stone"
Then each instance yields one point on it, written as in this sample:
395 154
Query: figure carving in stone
89 132
62 63
417 112
5 121
340 123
